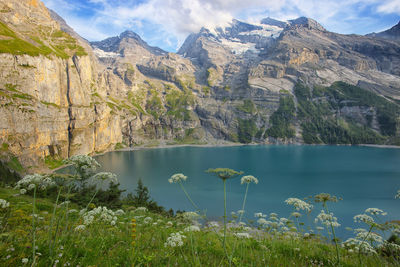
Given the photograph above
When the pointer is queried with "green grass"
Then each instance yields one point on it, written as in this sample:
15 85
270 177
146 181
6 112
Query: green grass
15 165
50 104
53 162
61 44
102 244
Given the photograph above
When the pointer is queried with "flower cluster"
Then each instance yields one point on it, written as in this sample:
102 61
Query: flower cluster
84 165
372 237
327 219
299 204
177 177
325 197
106 176
242 235
364 218
100 214
80 227
259 215
354 244
375 211
248 179
213 224
147 220
144 209
4 204
190 215
192 228
175 240
29 182
398 194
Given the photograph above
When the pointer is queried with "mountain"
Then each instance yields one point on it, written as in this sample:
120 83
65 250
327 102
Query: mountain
268 82
127 44
391 34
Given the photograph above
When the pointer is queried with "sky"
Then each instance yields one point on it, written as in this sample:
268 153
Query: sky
167 23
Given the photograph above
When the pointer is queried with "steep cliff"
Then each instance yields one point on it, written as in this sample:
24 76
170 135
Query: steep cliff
268 82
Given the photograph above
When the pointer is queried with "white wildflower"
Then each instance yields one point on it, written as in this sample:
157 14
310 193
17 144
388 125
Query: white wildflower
398 194
100 214
327 219
299 204
25 260
4 204
29 182
119 212
306 235
364 218
263 222
144 209
213 224
363 234
240 212
190 215
106 176
174 240
248 179
192 228
72 211
259 215
31 186
147 220
242 235
85 165
359 245
169 224
283 220
375 211
177 177
22 191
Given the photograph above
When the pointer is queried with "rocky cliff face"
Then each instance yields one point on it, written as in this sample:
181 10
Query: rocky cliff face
268 82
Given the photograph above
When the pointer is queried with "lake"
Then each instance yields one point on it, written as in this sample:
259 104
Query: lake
364 177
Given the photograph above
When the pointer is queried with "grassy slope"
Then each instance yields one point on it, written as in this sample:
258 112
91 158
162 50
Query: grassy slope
104 245
41 42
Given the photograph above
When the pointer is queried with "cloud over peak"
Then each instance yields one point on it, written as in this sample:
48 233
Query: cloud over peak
166 23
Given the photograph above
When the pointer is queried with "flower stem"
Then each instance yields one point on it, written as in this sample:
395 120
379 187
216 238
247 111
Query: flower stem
188 197
362 243
334 236
244 203
223 243
52 218
34 228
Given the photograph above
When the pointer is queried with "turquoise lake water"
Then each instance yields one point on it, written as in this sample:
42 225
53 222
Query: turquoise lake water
363 176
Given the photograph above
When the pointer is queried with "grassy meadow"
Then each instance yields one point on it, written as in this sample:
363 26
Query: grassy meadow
48 220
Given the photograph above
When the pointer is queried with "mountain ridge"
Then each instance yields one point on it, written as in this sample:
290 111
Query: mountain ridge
270 82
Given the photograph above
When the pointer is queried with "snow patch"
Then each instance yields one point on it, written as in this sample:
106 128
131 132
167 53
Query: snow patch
103 54
267 31
238 47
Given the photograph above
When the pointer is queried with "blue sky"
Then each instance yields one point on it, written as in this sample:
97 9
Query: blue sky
166 23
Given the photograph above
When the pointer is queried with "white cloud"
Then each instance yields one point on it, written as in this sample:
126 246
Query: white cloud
181 17
391 6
